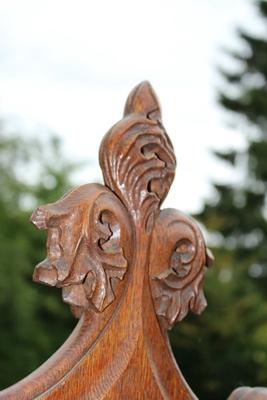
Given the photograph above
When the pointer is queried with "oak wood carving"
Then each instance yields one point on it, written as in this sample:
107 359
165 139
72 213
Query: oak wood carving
128 270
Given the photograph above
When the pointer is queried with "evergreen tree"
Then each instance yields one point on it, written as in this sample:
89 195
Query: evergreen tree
34 322
227 346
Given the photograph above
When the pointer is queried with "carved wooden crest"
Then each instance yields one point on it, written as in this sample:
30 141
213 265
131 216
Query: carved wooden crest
128 269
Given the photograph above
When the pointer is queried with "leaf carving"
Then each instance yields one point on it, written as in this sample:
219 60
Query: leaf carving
88 232
177 263
137 156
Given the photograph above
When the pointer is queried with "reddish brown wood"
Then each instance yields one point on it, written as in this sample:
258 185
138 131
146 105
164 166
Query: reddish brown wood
128 270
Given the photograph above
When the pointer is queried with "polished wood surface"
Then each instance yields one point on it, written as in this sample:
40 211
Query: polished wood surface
128 270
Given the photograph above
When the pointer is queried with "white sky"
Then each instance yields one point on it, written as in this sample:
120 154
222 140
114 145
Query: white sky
69 65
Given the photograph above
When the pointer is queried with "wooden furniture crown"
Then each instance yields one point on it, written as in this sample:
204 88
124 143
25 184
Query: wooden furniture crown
127 269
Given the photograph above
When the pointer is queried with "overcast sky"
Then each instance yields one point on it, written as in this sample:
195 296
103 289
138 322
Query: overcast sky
68 66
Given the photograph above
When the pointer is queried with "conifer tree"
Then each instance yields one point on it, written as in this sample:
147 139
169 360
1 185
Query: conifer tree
227 346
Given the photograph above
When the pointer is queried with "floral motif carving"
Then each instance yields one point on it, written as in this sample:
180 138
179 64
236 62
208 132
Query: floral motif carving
90 229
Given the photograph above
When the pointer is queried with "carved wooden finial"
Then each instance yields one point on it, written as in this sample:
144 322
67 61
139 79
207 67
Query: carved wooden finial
129 270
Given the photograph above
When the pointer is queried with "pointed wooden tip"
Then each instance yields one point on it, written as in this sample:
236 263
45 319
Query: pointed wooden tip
143 100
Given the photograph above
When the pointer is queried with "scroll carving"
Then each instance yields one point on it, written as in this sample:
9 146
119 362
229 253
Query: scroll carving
178 258
128 270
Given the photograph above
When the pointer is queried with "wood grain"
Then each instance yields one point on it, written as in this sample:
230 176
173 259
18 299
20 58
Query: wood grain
128 270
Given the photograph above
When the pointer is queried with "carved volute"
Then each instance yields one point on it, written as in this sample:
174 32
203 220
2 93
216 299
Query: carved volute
128 270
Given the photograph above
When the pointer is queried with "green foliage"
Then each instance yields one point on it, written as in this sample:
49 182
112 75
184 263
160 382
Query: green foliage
227 346
34 322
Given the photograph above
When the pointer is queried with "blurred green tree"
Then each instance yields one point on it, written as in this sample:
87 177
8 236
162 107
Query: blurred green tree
34 322
227 346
